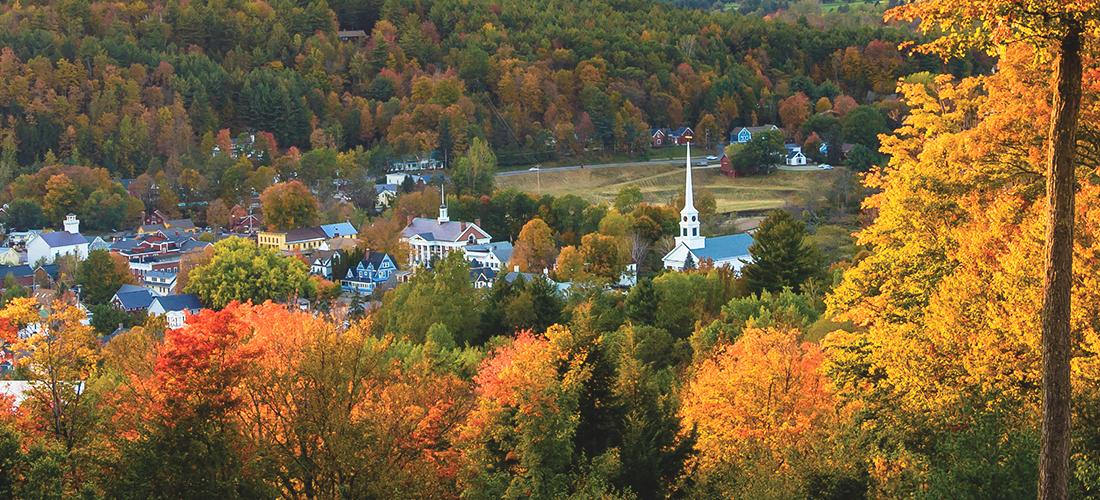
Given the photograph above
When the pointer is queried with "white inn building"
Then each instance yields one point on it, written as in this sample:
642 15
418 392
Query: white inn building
431 239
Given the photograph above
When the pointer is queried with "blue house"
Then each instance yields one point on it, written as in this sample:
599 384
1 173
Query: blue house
375 270
745 134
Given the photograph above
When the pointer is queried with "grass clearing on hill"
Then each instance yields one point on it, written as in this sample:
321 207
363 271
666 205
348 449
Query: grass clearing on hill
665 183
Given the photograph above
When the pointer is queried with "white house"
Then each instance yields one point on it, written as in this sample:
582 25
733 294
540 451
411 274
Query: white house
431 239
491 255
175 308
47 247
385 195
794 155
692 248
160 282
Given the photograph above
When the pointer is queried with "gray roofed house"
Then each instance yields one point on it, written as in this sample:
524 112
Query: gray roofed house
97 243
450 231
493 255
59 239
132 298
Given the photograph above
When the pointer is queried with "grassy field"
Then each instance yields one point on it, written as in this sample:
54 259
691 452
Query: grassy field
664 183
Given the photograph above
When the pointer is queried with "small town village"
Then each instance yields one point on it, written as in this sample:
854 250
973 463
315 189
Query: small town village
161 248
550 249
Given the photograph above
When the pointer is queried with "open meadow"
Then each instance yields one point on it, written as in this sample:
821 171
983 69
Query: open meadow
664 183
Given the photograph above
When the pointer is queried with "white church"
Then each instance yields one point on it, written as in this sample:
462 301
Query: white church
692 248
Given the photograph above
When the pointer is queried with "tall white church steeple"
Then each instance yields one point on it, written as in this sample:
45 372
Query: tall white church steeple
443 205
689 216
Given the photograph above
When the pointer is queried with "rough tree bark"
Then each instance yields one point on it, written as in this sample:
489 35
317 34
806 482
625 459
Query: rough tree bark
1058 280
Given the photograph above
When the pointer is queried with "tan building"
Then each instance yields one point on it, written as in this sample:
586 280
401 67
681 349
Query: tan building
301 240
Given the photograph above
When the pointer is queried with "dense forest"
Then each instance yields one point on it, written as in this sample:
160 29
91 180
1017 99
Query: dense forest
158 88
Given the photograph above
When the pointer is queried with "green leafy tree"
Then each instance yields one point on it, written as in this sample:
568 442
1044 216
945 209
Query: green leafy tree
627 198
863 125
23 214
441 295
781 255
760 155
474 172
101 275
242 271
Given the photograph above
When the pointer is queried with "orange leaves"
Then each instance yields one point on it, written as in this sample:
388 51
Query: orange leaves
765 390
200 365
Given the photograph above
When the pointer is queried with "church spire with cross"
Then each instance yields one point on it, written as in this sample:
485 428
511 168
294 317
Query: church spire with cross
689 216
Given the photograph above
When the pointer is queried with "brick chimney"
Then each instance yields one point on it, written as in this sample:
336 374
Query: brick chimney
477 222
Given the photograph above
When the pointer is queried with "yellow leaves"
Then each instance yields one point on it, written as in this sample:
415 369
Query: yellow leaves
766 390
21 311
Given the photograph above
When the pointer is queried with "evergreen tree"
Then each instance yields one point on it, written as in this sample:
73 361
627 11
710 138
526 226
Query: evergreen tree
781 256
641 303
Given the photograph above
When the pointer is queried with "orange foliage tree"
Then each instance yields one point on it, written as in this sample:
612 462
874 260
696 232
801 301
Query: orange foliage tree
764 393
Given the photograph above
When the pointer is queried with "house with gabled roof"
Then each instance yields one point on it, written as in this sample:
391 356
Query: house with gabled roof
493 255
680 136
794 156
373 272
47 247
745 134
482 277
132 298
431 239
658 137
322 262
175 308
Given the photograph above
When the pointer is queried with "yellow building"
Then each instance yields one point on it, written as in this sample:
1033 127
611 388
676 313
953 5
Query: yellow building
303 239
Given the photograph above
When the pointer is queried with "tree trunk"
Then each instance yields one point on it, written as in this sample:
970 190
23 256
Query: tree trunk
1058 281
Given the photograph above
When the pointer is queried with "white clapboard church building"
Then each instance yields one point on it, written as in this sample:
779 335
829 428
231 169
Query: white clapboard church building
692 248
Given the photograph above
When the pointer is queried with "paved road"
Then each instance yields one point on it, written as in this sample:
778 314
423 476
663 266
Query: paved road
673 161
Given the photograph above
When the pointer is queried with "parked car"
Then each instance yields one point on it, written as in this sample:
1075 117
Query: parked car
533 169
825 166
700 163
712 158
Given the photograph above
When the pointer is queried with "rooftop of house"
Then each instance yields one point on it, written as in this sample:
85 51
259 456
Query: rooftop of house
59 239
385 188
181 302
134 297
433 230
761 128
339 229
502 249
160 275
305 234
26 270
375 259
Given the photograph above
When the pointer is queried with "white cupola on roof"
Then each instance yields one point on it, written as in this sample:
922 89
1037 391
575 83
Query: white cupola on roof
72 224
